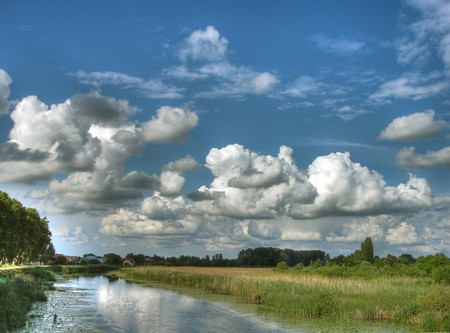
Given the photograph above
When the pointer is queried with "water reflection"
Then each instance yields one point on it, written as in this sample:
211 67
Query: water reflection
95 304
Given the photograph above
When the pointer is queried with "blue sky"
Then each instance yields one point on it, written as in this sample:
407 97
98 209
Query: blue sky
204 127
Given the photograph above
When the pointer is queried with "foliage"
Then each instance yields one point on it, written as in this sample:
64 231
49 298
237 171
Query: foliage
270 256
25 235
112 259
367 250
282 266
18 290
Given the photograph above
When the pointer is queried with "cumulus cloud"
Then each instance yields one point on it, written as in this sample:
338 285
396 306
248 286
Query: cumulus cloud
153 88
126 222
5 81
204 45
170 124
87 139
357 231
347 188
184 164
418 125
408 159
171 182
260 199
77 236
404 233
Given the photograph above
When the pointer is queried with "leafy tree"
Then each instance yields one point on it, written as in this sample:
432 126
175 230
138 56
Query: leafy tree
24 234
367 250
112 259
406 259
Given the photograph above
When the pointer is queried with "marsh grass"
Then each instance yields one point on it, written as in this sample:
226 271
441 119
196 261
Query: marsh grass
288 294
18 290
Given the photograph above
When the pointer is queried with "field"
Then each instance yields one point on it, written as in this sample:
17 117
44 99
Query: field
414 302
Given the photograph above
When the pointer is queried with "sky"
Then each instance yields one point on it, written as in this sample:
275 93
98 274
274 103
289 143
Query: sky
201 127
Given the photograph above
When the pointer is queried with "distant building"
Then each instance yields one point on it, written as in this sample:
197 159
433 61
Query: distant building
127 262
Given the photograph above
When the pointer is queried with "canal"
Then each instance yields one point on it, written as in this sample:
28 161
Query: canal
100 304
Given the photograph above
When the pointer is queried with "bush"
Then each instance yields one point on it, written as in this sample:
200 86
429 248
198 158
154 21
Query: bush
441 274
282 266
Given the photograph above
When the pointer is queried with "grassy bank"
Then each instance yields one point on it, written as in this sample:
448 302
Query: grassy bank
417 303
19 288
85 269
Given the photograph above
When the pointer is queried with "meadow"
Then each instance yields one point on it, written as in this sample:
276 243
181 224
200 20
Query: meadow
415 302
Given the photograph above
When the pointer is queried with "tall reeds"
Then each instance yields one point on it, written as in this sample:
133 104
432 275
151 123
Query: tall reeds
287 294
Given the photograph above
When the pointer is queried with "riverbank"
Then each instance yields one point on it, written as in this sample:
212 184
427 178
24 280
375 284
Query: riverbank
413 302
19 289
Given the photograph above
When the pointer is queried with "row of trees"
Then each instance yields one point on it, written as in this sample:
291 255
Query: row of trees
24 235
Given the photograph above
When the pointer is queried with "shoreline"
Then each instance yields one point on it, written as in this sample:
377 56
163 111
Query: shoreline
255 305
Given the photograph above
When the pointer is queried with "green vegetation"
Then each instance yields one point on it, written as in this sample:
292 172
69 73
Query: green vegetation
24 235
19 288
86 269
317 293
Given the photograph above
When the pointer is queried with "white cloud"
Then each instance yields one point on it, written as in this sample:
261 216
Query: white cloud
153 88
171 183
408 159
77 236
89 137
411 86
208 49
204 45
347 188
128 223
418 125
434 25
340 46
357 231
5 81
404 233
184 164
170 124
303 87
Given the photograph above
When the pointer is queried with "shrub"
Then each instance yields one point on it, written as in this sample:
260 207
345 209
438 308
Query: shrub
441 274
282 266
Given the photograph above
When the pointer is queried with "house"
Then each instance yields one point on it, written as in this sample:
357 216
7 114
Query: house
126 262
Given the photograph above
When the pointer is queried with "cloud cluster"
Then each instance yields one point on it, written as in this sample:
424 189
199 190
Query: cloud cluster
420 125
254 196
203 54
5 81
87 140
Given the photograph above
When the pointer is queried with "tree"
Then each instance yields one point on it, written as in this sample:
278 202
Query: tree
24 234
112 259
367 250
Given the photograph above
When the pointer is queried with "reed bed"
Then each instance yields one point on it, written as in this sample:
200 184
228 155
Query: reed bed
400 300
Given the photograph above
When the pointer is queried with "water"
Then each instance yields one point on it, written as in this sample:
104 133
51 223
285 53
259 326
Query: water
97 304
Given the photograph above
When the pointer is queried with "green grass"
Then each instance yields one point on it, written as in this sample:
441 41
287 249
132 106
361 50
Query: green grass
19 288
415 302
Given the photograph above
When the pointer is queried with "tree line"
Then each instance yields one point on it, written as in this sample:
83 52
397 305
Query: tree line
24 235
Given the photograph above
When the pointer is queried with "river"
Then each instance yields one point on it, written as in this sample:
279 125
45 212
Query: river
99 304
